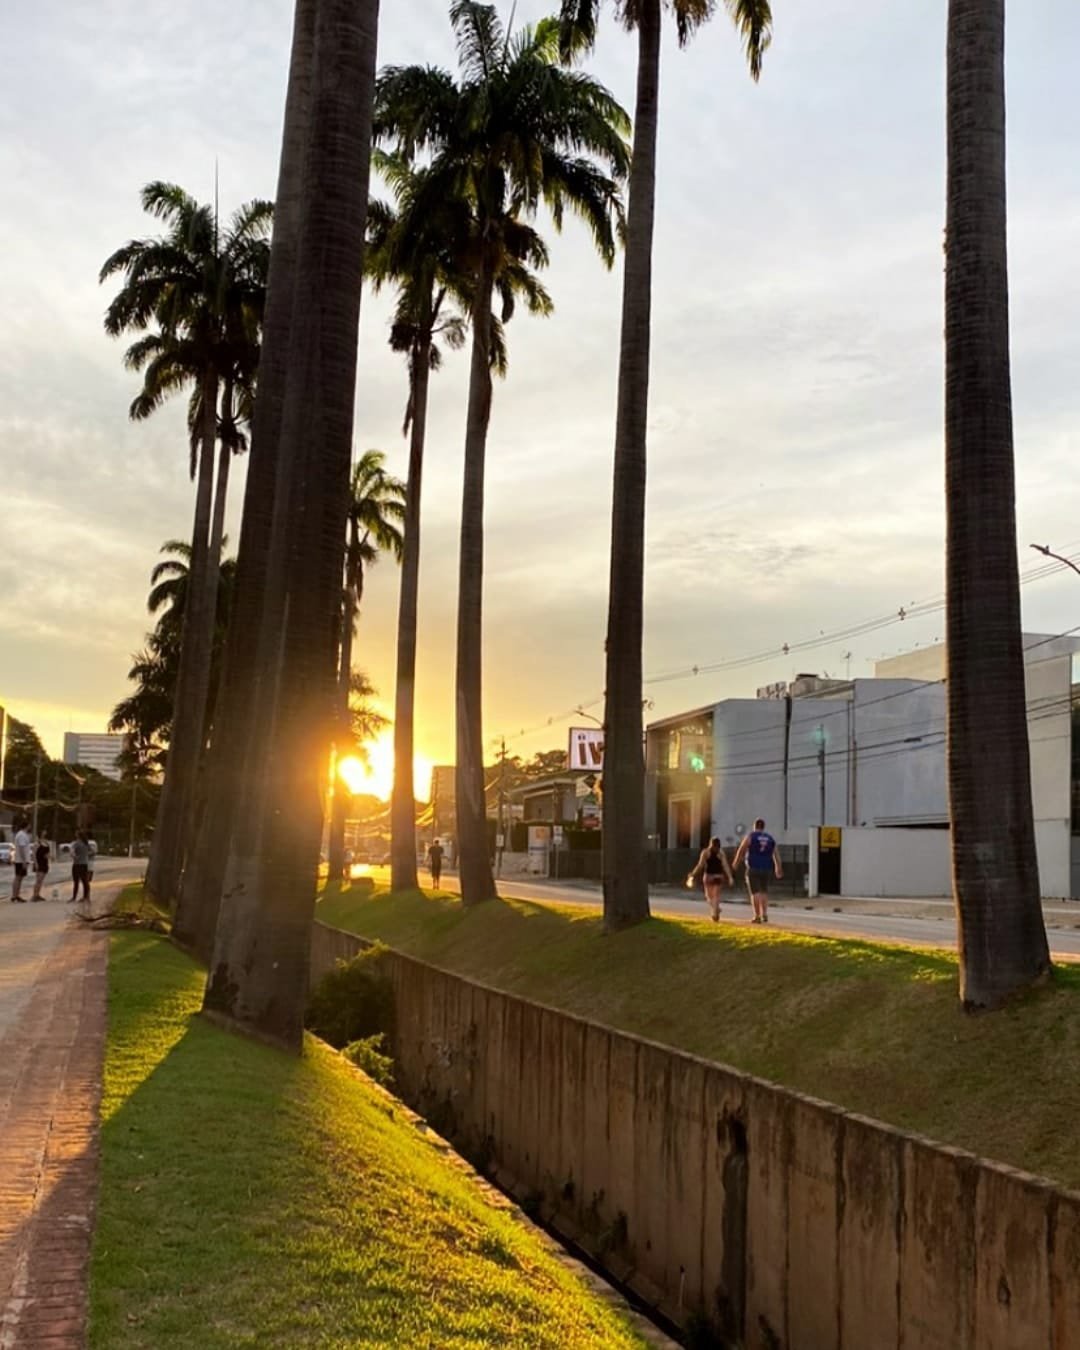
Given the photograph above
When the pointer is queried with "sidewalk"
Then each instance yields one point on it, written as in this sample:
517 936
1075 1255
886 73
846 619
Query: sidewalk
52 1035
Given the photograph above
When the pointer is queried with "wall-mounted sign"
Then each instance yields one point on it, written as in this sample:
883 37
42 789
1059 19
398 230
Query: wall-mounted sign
586 748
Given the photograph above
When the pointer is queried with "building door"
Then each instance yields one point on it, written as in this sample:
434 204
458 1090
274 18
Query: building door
682 822
830 841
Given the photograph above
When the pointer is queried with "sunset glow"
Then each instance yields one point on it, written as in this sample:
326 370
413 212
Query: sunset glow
377 776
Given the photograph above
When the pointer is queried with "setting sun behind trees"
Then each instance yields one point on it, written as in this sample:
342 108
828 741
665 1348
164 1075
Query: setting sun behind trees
377 776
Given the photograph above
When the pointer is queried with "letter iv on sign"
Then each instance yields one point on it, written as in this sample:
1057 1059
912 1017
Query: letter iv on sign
586 748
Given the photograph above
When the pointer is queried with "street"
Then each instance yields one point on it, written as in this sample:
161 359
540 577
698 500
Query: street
110 871
931 923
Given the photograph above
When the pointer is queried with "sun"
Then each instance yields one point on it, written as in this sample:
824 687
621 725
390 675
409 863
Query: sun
376 778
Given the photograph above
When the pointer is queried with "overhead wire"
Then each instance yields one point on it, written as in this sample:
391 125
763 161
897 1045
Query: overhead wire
915 610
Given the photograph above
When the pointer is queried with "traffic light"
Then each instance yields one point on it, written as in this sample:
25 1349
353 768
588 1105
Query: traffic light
697 763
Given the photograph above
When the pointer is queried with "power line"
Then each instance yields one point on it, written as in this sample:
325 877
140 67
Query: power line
914 610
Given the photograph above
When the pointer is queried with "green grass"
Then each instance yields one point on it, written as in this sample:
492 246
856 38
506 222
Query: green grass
250 1198
133 899
875 1028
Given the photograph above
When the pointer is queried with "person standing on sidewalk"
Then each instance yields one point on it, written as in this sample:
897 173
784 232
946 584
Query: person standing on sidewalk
435 859
23 850
758 850
80 867
41 866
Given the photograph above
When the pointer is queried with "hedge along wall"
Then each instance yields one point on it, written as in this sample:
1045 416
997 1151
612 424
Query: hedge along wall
788 1223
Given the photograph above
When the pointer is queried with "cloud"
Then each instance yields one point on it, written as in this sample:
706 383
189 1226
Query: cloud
795 432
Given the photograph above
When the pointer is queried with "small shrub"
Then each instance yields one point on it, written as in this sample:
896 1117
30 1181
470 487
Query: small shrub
354 1001
367 1054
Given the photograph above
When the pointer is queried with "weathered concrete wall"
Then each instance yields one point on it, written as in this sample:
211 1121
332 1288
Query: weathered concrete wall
790 1224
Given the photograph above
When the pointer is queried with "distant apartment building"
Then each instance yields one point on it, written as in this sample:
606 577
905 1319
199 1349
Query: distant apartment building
95 750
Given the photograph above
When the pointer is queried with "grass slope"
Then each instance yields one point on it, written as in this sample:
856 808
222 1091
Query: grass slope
252 1199
875 1028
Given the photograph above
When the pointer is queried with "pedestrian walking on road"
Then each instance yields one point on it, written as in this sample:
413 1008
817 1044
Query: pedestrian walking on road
712 871
80 867
435 861
762 857
41 866
23 856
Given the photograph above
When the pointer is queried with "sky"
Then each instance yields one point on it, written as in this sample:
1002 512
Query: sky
795 431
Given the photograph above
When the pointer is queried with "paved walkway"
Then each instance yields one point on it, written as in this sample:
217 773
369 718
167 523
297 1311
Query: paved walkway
52 1037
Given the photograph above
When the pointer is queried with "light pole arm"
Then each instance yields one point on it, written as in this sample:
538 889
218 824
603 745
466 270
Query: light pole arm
1048 552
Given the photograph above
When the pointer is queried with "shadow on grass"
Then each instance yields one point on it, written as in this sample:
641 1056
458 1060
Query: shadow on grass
250 1197
877 1028
428 920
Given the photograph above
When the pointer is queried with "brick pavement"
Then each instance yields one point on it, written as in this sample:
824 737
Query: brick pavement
52 1037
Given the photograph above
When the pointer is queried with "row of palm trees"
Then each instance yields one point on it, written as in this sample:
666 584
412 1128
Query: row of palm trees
469 161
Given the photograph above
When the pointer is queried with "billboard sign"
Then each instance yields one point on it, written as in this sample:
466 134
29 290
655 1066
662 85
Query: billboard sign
586 748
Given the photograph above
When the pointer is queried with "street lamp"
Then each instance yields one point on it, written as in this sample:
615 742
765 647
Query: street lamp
1048 552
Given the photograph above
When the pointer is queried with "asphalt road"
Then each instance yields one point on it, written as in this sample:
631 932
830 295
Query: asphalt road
115 871
1063 922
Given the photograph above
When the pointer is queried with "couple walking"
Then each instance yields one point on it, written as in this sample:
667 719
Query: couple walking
762 857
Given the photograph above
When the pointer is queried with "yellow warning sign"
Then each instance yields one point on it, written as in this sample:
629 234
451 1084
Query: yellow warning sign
830 836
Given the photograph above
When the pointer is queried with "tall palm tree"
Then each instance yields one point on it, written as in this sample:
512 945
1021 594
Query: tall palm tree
227 779
170 581
146 714
196 295
419 246
1003 945
376 513
626 890
259 969
517 130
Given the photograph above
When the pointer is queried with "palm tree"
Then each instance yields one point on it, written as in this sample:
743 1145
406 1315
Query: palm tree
418 244
626 890
146 714
1003 945
196 295
376 511
259 969
227 779
518 130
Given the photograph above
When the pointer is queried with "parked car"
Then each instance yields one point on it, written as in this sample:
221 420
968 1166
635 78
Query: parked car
7 854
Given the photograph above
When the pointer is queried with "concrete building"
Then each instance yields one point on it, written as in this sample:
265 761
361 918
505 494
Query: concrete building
865 753
96 751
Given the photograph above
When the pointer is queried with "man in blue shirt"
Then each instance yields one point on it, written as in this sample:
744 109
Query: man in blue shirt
758 850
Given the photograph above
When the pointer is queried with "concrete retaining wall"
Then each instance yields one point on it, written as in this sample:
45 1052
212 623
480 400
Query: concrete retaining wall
790 1224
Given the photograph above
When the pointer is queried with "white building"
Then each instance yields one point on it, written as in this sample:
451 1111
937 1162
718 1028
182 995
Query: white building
861 753
96 751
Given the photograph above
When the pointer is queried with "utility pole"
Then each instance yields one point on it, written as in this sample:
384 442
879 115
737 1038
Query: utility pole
501 825
821 768
37 796
131 835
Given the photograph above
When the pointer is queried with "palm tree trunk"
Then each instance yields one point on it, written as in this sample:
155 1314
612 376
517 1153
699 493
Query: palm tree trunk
403 800
192 681
626 887
1003 945
259 972
196 916
477 881
335 850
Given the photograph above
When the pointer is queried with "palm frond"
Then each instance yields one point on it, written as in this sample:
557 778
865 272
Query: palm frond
480 38
753 21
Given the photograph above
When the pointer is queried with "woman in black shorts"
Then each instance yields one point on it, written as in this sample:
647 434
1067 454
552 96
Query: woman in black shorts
714 870
41 866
